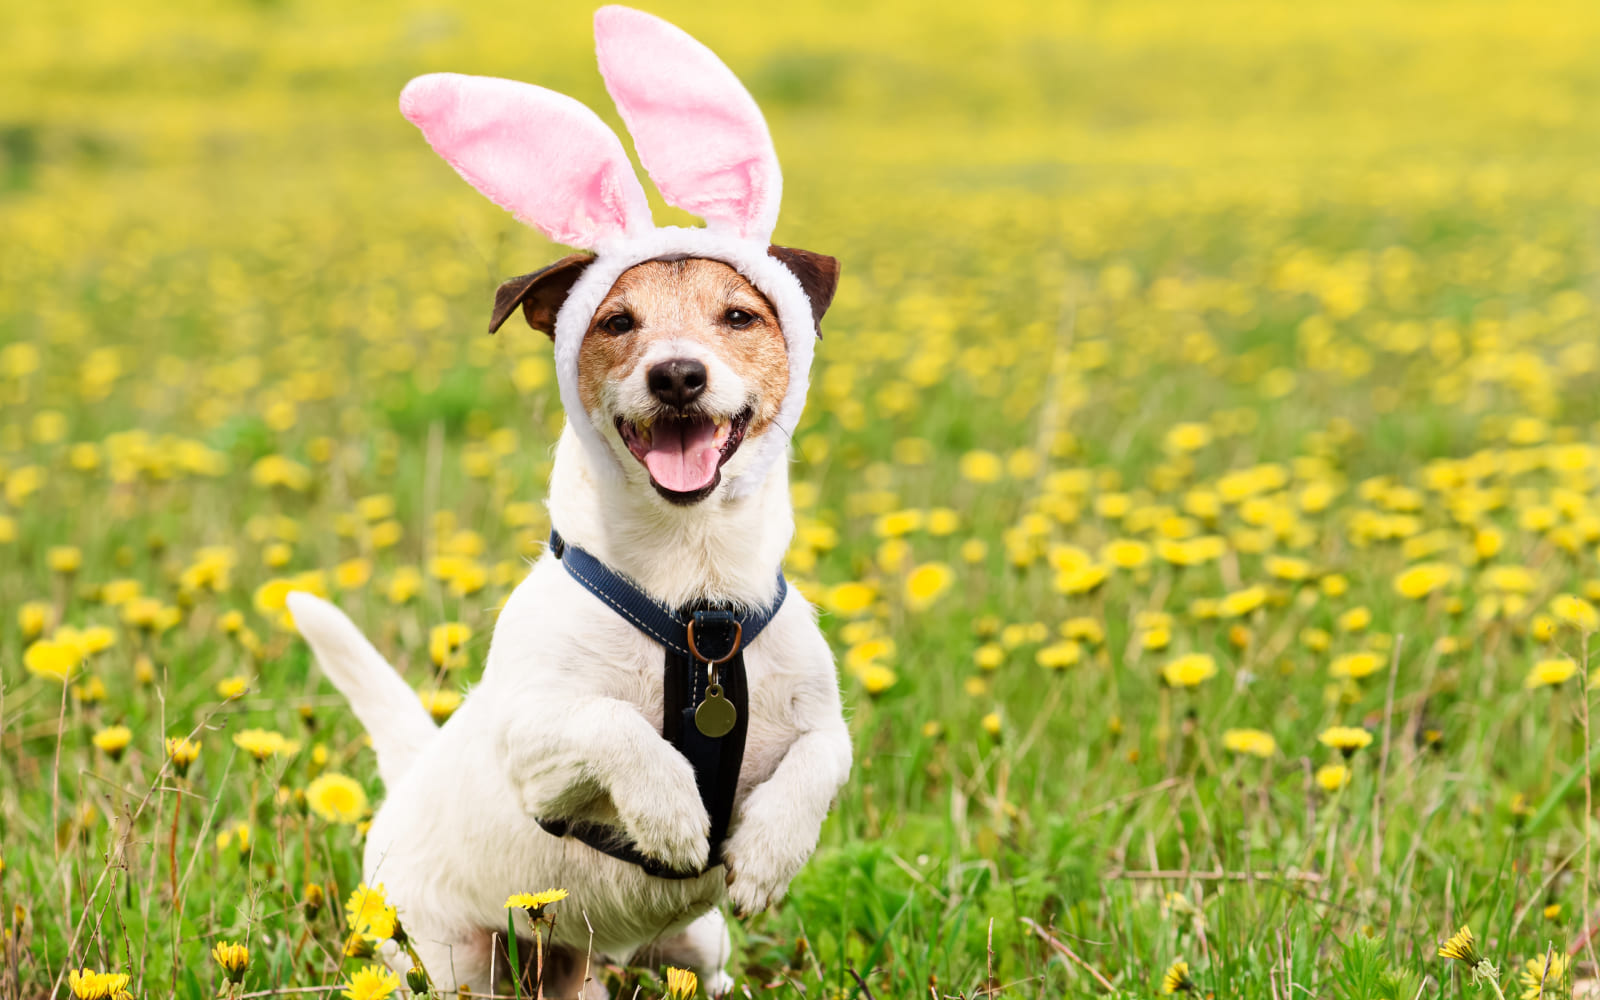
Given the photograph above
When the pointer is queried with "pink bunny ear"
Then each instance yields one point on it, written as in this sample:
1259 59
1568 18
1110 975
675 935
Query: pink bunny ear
541 155
697 130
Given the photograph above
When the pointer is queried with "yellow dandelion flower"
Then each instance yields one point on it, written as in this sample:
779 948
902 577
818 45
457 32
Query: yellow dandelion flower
1461 948
1081 579
233 687
927 583
1356 665
337 798
1059 655
445 644
681 984
535 902
65 559
981 467
989 656
1084 629
1508 579
1255 742
991 723
877 678
1423 579
404 584
1126 553
87 984
897 523
1553 911
369 912
113 740
352 574
849 599
1550 673
91 692
53 660
440 704
1287 568
371 982
264 743
234 959
1542 976
1177 979
1355 620
1345 739
1332 777
1574 611
33 618
867 652
1242 602
1184 438
1189 670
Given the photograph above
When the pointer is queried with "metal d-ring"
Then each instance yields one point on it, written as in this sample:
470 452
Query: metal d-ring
738 636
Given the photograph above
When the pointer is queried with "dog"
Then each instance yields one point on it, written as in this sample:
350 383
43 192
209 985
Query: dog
683 357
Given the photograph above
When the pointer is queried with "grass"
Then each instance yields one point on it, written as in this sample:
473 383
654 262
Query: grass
1166 330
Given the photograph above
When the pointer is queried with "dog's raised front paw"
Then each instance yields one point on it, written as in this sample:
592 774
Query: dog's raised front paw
667 821
758 873
717 984
770 843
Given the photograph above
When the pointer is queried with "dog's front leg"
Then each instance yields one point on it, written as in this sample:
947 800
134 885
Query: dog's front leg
576 752
779 821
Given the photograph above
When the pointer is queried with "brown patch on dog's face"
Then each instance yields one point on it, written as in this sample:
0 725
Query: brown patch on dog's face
679 349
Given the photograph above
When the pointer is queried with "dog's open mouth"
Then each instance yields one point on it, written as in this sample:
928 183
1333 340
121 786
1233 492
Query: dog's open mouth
684 453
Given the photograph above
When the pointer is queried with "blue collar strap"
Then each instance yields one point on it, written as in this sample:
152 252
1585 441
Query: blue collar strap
706 636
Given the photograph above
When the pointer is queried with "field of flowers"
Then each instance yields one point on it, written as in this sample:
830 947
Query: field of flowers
1201 481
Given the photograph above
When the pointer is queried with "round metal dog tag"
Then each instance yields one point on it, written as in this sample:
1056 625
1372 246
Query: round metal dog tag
716 715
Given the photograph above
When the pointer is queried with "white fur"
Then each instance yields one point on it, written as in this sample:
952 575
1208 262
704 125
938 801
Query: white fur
750 258
566 724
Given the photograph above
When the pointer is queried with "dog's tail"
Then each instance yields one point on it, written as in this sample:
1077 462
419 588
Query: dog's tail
391 712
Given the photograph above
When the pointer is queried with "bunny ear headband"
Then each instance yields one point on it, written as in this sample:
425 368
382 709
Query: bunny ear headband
556 166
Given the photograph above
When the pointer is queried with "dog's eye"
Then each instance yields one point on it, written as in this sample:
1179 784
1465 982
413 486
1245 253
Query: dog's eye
739 319
620 323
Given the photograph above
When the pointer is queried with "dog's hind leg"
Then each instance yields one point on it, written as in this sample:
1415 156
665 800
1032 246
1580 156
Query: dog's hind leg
702 946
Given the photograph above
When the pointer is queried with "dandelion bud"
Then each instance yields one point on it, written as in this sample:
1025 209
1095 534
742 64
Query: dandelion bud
311 901
357 946
398 935
182 752
417 980
1461 948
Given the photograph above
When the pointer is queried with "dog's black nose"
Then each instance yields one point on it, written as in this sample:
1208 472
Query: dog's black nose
678 382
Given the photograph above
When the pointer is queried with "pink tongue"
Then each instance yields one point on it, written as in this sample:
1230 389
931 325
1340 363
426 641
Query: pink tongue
683 455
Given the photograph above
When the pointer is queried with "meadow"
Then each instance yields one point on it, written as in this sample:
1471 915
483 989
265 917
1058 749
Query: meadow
1200 482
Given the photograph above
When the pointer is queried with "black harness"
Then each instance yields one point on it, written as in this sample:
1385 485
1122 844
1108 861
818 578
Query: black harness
705 701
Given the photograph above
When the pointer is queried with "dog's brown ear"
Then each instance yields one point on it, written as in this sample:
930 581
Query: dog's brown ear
540 294
818 274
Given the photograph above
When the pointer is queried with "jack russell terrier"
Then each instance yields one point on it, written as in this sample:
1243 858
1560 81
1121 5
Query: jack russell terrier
650 790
